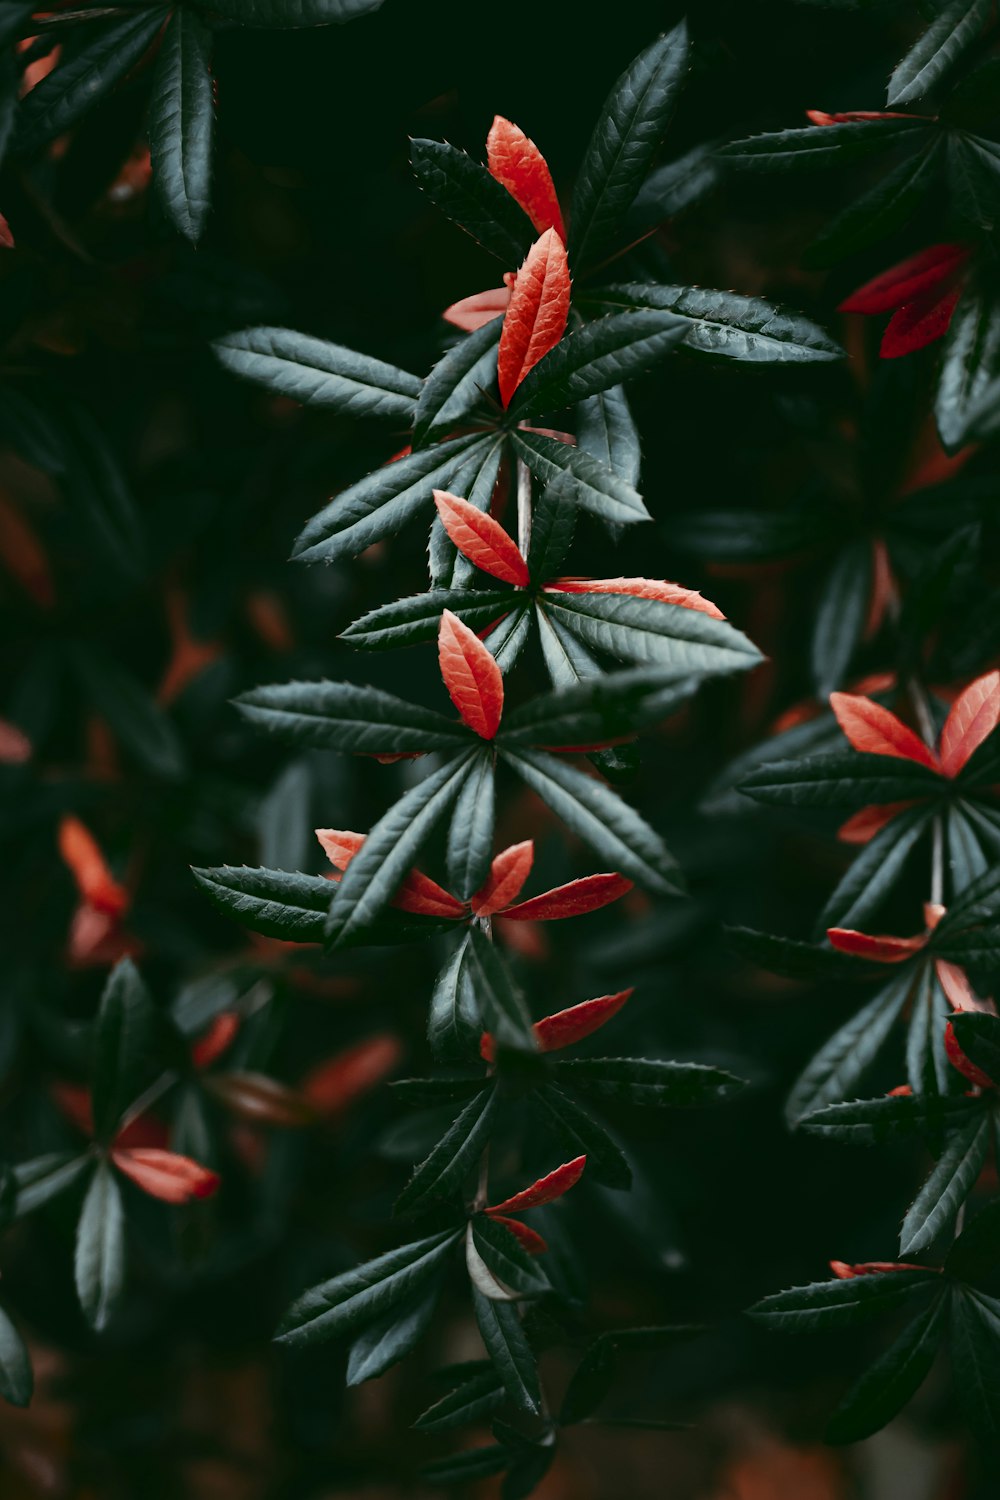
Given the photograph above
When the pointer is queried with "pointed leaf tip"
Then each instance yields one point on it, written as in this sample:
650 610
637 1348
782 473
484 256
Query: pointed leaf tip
873 730
545 1190
535 319
974 715
481 539
519 166
472 677
508 872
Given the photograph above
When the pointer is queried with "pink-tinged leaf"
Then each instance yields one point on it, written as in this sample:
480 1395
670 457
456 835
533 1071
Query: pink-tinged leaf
880 948
568 1026
964 1064
425 898
472 312
820 116
470 674
481 539
15 747
873 730
958 991
847 1272
333 1085
165 1174
920 322
340 845
863 825
82 856
6 237
901 283
571 900
535 321
546 1190
219 1037
973 717
639 588
516 163
528 1238
508 872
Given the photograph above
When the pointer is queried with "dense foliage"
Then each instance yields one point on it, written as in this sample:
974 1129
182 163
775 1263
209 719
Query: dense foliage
302 1075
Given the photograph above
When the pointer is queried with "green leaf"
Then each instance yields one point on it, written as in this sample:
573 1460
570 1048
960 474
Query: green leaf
386 1341
841 1061
978 948
99 1260
567 659
593 487
846 778
605 429
596 358
508 1349
975 1341
284 824
381 503
792 958
293 907
970 360
457 1153
17 1379
599 816
469 1401
872 873
602 708
316 373
978 1035
590 1383
649 1082
500 1002
84 76
974 179
949 35
553 523
506 1259
821 145
840 617
94 483
453 1024
879 212
936 1206
366 1293
872 1122
629 129
840 1304
181 122
724 323
470 1464
979 902
887 1386
44 1177
349 717
136 719
470 834
457 383
581 1135
376 872
975 1254
673 187
464 190
125 1046
406 622
290 13
652 632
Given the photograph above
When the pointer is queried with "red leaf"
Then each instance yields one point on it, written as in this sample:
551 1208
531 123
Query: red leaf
73 1099
873 730
920 322
536 318
418 893
165 1175
568 1026
545 1190
964 1064
481 539
213 1042
959 992
868 821
470 674
880 948
883 590
15 747
472 312
339 845
901 283
143 1130
6 237
508 872
334 1084
639 588
516 162
94 881
869 1267
570 900
973 717
530 1239
820 116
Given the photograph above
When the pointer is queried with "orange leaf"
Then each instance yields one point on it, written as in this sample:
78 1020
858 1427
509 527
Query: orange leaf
545 1190
535 321
334 1084
472 312
216 1039
973 717
340 845
964 1064
508 872
165 1175
481 539
80 853
529 1239
868 821
570 900
639 588
880 948
516 162
873 730
471 676
901 283
568 1026
15 747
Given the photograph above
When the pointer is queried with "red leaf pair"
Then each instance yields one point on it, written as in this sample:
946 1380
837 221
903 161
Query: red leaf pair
546 1190
565 1027
923 290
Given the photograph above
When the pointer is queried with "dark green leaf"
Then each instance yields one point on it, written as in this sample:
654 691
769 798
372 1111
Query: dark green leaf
125 1046
949 35
453 1023
99 1261
725 323
975 1341
512 1266
385 1342
605 430
553 524
792 958
470 1400
464 190
978 1035
316 373
472 1463
475 480
508 1349
673 187
567 659
593 487
840 617
457 383
44 1177
95 485
880 211
841 1061
652 632
499 1001
820 145
936 1206
591 1382
649 1082
885 1388
457 1153
975 1254
873 872
470 835
602 708
581 1135
970 360
845 779
406 622
596 358
181 122
840 1304
17 1380
872 1122
136 719
348 716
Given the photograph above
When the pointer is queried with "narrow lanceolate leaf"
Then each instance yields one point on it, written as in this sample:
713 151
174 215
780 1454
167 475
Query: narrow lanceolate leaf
588 714
482 539
872 1122
592 486
347 716
872 874
457 384
17 1381
880 211
650 631
125 1051
820 145
937 1204
381 503
840 1304
390 850
724 323
85 76
567 659
536 315
841 1062
792 957
506 1259
629 129
464 190
888 1384
406 622
181 120
842 779
291 13
453 1023
970 360
44 1177
316 373
554 522
471 1399
597 357
599 816
99 1261
673 187
443 1173
356 1297
949 35
647 1082
516 163
605 429
470 836
840 617
278 903
502 1006
577 1132
975 1340
388 1339
508 1349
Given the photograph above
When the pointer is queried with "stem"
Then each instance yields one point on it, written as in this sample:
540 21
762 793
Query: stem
523 507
